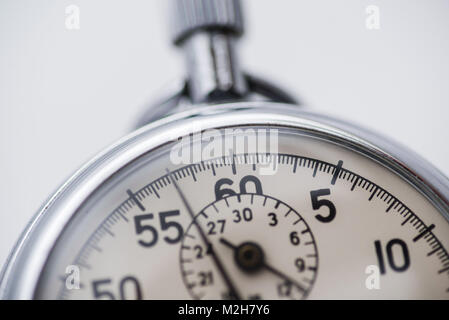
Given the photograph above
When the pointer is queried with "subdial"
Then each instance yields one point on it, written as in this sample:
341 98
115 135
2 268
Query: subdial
265 245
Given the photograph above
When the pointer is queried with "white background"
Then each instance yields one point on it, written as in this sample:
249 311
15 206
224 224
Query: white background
65 95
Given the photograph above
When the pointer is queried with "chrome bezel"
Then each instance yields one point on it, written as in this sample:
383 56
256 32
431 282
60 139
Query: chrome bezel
25 264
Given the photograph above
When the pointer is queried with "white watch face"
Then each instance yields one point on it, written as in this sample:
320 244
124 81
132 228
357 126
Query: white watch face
312 219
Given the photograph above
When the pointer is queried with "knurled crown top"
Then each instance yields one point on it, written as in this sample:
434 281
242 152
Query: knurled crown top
189 16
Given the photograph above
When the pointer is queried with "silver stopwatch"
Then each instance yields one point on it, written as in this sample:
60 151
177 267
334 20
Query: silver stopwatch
230 190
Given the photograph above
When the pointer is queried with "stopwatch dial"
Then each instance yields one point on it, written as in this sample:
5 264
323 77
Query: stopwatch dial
376 236
266 246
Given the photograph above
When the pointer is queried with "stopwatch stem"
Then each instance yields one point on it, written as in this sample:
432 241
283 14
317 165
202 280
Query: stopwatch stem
207 31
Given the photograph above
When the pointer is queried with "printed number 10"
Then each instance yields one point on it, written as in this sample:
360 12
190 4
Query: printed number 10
393 256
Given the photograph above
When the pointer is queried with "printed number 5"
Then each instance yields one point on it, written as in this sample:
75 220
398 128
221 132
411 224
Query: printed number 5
316 204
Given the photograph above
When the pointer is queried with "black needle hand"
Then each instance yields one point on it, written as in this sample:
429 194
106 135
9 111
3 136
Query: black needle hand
249 256
232 289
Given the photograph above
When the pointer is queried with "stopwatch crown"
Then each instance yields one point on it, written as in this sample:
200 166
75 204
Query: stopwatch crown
190 16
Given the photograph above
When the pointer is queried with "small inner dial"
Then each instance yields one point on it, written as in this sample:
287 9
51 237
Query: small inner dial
264 245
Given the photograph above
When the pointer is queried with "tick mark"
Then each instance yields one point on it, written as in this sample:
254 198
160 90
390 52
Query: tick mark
193 174
373 193
315 168
155 192
434 251
109 232
234 169
96 248
391 206
444 270
83 265
355 183
133 197
337 172
406 220
123 216
425 231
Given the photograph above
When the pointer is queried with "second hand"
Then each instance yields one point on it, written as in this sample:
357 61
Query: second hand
232 289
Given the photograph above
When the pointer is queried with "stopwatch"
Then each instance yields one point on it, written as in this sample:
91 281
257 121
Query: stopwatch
231 190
